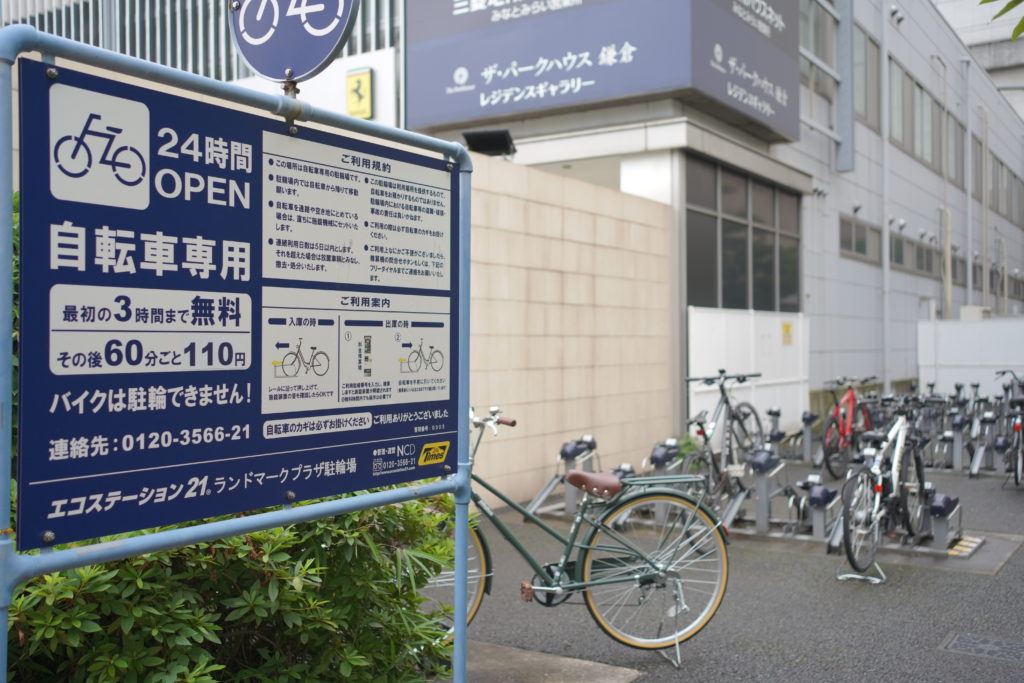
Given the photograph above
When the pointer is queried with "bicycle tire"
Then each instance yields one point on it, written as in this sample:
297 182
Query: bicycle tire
914 503
747 432
290 364
439 592
415 366
1018 468
703 463
436 360
320 32
61 158
636 605
836 458
320 363
242 20
138 169
861 532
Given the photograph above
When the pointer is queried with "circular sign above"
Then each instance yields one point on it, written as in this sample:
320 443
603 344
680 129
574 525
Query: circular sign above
291 40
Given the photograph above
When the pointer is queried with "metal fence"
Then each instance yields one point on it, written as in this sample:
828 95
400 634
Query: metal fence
191 35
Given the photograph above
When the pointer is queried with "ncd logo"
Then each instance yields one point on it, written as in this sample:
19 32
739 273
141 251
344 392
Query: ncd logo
434 453
99 148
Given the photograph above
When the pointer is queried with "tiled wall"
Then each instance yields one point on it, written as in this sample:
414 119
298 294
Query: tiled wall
570 328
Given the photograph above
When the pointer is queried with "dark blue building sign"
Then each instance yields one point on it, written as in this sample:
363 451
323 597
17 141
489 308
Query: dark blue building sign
218 315
469 60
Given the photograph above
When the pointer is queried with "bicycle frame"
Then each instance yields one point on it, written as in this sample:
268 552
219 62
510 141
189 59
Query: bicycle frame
722 414
845 417
898 431
569 542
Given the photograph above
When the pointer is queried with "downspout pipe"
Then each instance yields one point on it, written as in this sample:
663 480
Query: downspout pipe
968 180
884 196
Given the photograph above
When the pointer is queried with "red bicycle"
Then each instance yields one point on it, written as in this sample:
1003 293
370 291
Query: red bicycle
849 419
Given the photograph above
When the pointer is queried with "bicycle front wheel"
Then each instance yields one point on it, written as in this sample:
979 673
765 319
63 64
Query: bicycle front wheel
439 593
746 431
861 532
320 363
656 569
436 361
1018 468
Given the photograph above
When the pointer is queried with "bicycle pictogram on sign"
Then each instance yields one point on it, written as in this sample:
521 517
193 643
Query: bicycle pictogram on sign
74 158
258 19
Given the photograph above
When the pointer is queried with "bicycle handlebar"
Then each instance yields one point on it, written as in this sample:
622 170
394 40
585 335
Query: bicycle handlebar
508 422
722 377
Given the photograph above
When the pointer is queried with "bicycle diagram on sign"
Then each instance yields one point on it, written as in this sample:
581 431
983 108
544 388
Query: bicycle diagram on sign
259 19
317 362
419 359
74 158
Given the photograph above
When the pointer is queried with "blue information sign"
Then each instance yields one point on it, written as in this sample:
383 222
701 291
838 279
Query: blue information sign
291 39
218 315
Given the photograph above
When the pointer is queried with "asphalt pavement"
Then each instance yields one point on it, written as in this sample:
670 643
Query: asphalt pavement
785 616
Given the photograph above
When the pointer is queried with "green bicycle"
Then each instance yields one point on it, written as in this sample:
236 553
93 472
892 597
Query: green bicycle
650 560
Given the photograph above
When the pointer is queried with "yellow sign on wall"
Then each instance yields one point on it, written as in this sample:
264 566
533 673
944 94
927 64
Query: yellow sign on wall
787 334
359 88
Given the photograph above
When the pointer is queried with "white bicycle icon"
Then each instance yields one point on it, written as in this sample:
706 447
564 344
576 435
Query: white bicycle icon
258 29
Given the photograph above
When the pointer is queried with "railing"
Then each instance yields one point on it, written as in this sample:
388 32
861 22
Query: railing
191 35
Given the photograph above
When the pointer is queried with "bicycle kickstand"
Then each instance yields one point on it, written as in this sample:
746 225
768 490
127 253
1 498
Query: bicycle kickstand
677 659
873 580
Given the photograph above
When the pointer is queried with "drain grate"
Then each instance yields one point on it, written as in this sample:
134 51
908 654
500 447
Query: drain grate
981 646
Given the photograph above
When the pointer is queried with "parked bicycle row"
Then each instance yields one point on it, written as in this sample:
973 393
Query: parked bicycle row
957 431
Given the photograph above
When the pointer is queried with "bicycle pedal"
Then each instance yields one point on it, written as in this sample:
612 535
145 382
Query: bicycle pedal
526 591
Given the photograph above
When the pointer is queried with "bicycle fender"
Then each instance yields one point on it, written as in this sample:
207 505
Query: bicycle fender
676 492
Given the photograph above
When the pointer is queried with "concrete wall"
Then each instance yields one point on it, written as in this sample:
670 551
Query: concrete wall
570 320
773 344
951 351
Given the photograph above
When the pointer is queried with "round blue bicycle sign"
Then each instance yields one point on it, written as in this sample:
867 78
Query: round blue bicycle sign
291 40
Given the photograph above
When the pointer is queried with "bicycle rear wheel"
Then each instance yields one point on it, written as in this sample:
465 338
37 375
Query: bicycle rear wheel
658 576
861 532
440 591
703 463
746 430
913 497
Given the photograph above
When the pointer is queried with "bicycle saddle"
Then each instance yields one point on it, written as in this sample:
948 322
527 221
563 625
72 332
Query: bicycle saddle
873 438
700 417
603 484
1017 402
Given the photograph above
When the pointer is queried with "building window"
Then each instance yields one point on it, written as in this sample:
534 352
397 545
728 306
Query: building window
896 250
818 48
701 259
860 240
955 151
866 60
896 131
977 168
745 254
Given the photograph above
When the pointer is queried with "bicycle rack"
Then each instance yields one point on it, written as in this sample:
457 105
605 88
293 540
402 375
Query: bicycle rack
808 418
577 454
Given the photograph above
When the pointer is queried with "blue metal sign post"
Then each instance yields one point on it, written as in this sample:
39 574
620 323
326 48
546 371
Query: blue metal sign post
291 42
222 312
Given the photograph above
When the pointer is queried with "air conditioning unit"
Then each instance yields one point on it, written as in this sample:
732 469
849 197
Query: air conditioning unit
975 312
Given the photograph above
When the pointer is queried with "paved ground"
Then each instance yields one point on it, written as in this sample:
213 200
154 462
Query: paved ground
786 617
